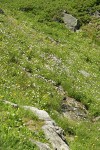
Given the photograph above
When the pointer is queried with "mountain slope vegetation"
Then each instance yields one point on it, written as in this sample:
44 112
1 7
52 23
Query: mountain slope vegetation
41 63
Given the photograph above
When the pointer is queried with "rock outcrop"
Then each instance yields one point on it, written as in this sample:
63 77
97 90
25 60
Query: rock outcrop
55 136
53 133
71 22
73 109
42 146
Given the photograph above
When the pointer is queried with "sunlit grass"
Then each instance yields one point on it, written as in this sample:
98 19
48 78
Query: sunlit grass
35 59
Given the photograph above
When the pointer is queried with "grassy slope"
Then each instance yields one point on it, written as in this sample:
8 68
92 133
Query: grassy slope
57 55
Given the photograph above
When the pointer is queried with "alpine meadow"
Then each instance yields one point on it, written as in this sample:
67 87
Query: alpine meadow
49 74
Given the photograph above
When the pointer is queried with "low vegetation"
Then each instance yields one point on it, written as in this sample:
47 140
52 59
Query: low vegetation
37 56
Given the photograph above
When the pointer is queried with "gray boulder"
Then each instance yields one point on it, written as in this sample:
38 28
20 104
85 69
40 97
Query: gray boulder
71 22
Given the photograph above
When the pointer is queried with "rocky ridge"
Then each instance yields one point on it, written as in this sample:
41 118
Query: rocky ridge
53 133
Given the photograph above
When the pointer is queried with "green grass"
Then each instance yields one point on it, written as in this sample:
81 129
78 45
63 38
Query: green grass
17 127
44 11
37 55
80 135
88 139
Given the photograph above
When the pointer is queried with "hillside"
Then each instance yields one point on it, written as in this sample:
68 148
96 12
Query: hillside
45 65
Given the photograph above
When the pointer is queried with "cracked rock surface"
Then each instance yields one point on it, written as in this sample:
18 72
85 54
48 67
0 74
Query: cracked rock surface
73 109
42 146
52 132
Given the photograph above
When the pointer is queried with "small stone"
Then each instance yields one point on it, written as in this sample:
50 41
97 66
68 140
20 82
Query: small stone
97 14
96 119
84 73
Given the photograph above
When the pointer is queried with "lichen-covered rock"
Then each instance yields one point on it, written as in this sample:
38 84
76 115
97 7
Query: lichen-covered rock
73 109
